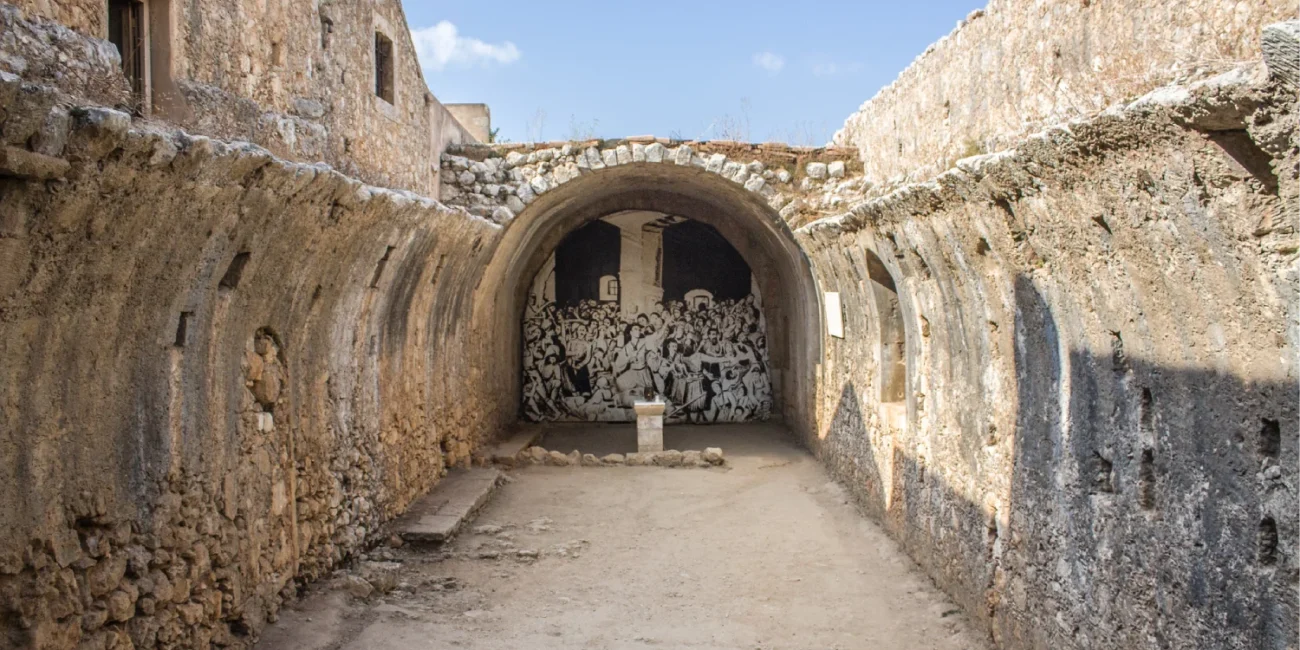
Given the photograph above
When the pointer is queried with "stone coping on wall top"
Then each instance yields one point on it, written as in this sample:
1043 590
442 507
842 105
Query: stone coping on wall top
93 133
1221 103
480 151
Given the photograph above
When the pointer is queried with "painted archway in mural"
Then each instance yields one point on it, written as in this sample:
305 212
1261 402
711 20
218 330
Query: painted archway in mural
638 304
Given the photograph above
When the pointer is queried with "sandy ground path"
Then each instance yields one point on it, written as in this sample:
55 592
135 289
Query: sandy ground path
766 553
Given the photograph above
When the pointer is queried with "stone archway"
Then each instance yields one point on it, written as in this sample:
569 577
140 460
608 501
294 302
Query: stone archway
739 213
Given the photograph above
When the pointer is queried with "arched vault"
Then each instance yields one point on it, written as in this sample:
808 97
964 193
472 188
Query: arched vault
779 265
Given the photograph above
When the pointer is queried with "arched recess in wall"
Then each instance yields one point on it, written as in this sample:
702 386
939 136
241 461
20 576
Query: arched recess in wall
893 336
754 229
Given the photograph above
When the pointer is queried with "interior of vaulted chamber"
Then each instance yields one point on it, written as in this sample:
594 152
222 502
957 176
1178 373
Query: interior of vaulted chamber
639 305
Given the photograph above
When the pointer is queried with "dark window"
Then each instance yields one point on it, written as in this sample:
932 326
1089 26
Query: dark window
126 31
384 67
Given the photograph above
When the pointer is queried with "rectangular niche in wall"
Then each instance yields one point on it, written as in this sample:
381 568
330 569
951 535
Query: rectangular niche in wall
641 303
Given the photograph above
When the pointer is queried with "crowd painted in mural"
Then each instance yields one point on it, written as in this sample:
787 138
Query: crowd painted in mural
640 305
706 359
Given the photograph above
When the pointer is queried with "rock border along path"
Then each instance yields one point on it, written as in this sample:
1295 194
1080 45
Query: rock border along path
710 457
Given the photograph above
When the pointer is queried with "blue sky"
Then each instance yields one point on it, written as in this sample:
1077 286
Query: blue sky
789 71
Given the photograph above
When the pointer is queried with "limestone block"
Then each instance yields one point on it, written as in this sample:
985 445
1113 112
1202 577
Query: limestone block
741 175
623 154
683 155
97 132
816 170
309 108
669 458
609 158
1281 45
53 134
356 586
9 85
638 152
121 606
525 193
715 163
655 152
649 426
836 169
30 164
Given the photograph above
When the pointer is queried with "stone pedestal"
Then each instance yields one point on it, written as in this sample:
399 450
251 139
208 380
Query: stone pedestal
649 426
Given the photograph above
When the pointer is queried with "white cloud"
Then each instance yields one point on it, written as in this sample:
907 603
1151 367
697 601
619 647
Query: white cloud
769 61
442 45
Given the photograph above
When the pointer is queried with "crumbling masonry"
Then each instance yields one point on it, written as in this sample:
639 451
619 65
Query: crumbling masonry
259 289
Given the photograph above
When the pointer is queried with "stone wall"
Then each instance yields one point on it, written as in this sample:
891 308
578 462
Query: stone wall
1021 65
802 183
222 371
297 78
1096 445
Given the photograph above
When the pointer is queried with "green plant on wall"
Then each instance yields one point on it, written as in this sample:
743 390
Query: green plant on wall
971 147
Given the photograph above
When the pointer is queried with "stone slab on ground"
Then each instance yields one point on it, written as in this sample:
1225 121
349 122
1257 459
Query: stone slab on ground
437 516
508 450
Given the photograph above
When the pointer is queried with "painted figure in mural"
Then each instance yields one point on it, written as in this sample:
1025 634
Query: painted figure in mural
593 345
631 365
589 362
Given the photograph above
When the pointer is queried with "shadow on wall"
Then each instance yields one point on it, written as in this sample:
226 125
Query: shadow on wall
1148 509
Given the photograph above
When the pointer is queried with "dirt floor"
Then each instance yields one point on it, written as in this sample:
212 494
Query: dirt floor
764 553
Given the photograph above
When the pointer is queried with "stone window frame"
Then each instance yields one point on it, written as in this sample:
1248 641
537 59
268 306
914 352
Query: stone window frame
141 81
386 105
155 92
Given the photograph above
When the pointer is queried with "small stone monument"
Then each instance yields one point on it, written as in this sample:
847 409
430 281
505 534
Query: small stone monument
650 423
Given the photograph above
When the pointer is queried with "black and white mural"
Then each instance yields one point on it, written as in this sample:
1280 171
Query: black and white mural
642 304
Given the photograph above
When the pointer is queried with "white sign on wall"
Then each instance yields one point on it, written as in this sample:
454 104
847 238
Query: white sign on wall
834 316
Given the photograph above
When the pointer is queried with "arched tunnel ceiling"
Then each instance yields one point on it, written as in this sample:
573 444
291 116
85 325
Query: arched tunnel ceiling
756 231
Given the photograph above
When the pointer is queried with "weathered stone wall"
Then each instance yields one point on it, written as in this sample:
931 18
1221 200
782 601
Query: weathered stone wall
84 16
802 183
1021 65
297 78
1097 442
222 372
